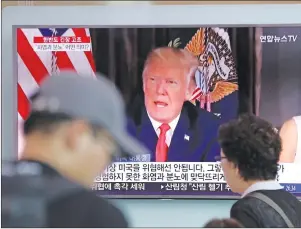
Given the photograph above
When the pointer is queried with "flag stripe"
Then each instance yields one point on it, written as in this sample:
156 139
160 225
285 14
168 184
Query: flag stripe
30 58
45 57
196 93
63 62
23 103
78 59
80 63
26 81
33 66
81 32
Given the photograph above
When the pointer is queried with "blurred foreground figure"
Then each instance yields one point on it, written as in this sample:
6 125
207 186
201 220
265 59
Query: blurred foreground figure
76 127
291 141
249 158
223 223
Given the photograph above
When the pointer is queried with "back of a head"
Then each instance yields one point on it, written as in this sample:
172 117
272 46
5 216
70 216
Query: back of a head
252 144
223 223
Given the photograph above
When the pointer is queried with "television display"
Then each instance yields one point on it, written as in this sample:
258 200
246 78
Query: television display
201 77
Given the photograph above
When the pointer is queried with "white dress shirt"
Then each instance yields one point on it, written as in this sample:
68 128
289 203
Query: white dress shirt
263 185
169 133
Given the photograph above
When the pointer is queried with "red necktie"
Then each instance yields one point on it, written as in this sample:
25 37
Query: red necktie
162 148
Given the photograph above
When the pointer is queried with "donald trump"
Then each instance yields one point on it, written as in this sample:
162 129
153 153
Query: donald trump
172 128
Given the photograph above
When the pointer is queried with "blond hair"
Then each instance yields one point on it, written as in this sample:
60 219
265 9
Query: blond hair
174 57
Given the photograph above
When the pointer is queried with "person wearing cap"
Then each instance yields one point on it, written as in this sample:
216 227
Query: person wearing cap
76 126
170 126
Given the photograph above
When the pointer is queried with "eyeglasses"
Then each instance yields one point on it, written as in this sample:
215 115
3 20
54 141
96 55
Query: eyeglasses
219 158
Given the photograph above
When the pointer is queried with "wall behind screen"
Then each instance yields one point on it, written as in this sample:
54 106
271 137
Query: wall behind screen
280 96
173 213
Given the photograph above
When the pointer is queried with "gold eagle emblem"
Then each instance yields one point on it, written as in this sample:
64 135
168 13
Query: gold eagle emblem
217 66
221 90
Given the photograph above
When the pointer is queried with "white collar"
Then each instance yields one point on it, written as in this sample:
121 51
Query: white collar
172 124
263 185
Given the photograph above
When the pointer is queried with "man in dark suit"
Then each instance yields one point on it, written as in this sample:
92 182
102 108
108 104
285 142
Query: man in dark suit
171 128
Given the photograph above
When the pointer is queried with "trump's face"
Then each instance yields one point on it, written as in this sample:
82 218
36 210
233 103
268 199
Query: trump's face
165 90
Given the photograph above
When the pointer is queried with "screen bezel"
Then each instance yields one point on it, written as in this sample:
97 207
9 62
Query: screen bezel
129 16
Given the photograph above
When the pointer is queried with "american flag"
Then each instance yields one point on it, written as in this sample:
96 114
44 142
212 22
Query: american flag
33 66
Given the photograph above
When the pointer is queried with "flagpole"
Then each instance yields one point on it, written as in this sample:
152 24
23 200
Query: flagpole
54 68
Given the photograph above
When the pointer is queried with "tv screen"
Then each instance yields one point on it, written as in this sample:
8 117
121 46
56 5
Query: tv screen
201 77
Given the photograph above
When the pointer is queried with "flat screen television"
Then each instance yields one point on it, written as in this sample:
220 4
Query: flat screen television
233 61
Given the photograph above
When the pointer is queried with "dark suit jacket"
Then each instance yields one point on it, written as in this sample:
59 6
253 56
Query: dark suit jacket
198 125
227 107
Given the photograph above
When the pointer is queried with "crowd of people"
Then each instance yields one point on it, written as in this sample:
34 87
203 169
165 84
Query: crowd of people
74 139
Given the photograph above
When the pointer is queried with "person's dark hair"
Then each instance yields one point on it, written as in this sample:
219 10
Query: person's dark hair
47 122
44 121
253 145
223 223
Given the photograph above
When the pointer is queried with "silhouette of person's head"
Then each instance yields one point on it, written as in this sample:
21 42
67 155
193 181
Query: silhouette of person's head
223 223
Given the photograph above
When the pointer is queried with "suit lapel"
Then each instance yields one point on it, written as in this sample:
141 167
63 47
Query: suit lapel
182 139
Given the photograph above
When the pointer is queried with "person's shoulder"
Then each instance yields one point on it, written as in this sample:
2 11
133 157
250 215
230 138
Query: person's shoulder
254 212
248 205
289 125
243 211
209 115
243 203
104 213
88 210
112 216
195 112
202 119
283 198
208 120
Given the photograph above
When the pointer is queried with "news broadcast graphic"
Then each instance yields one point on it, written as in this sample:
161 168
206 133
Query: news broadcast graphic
217 90
275 39
179 179
62 43
34 65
